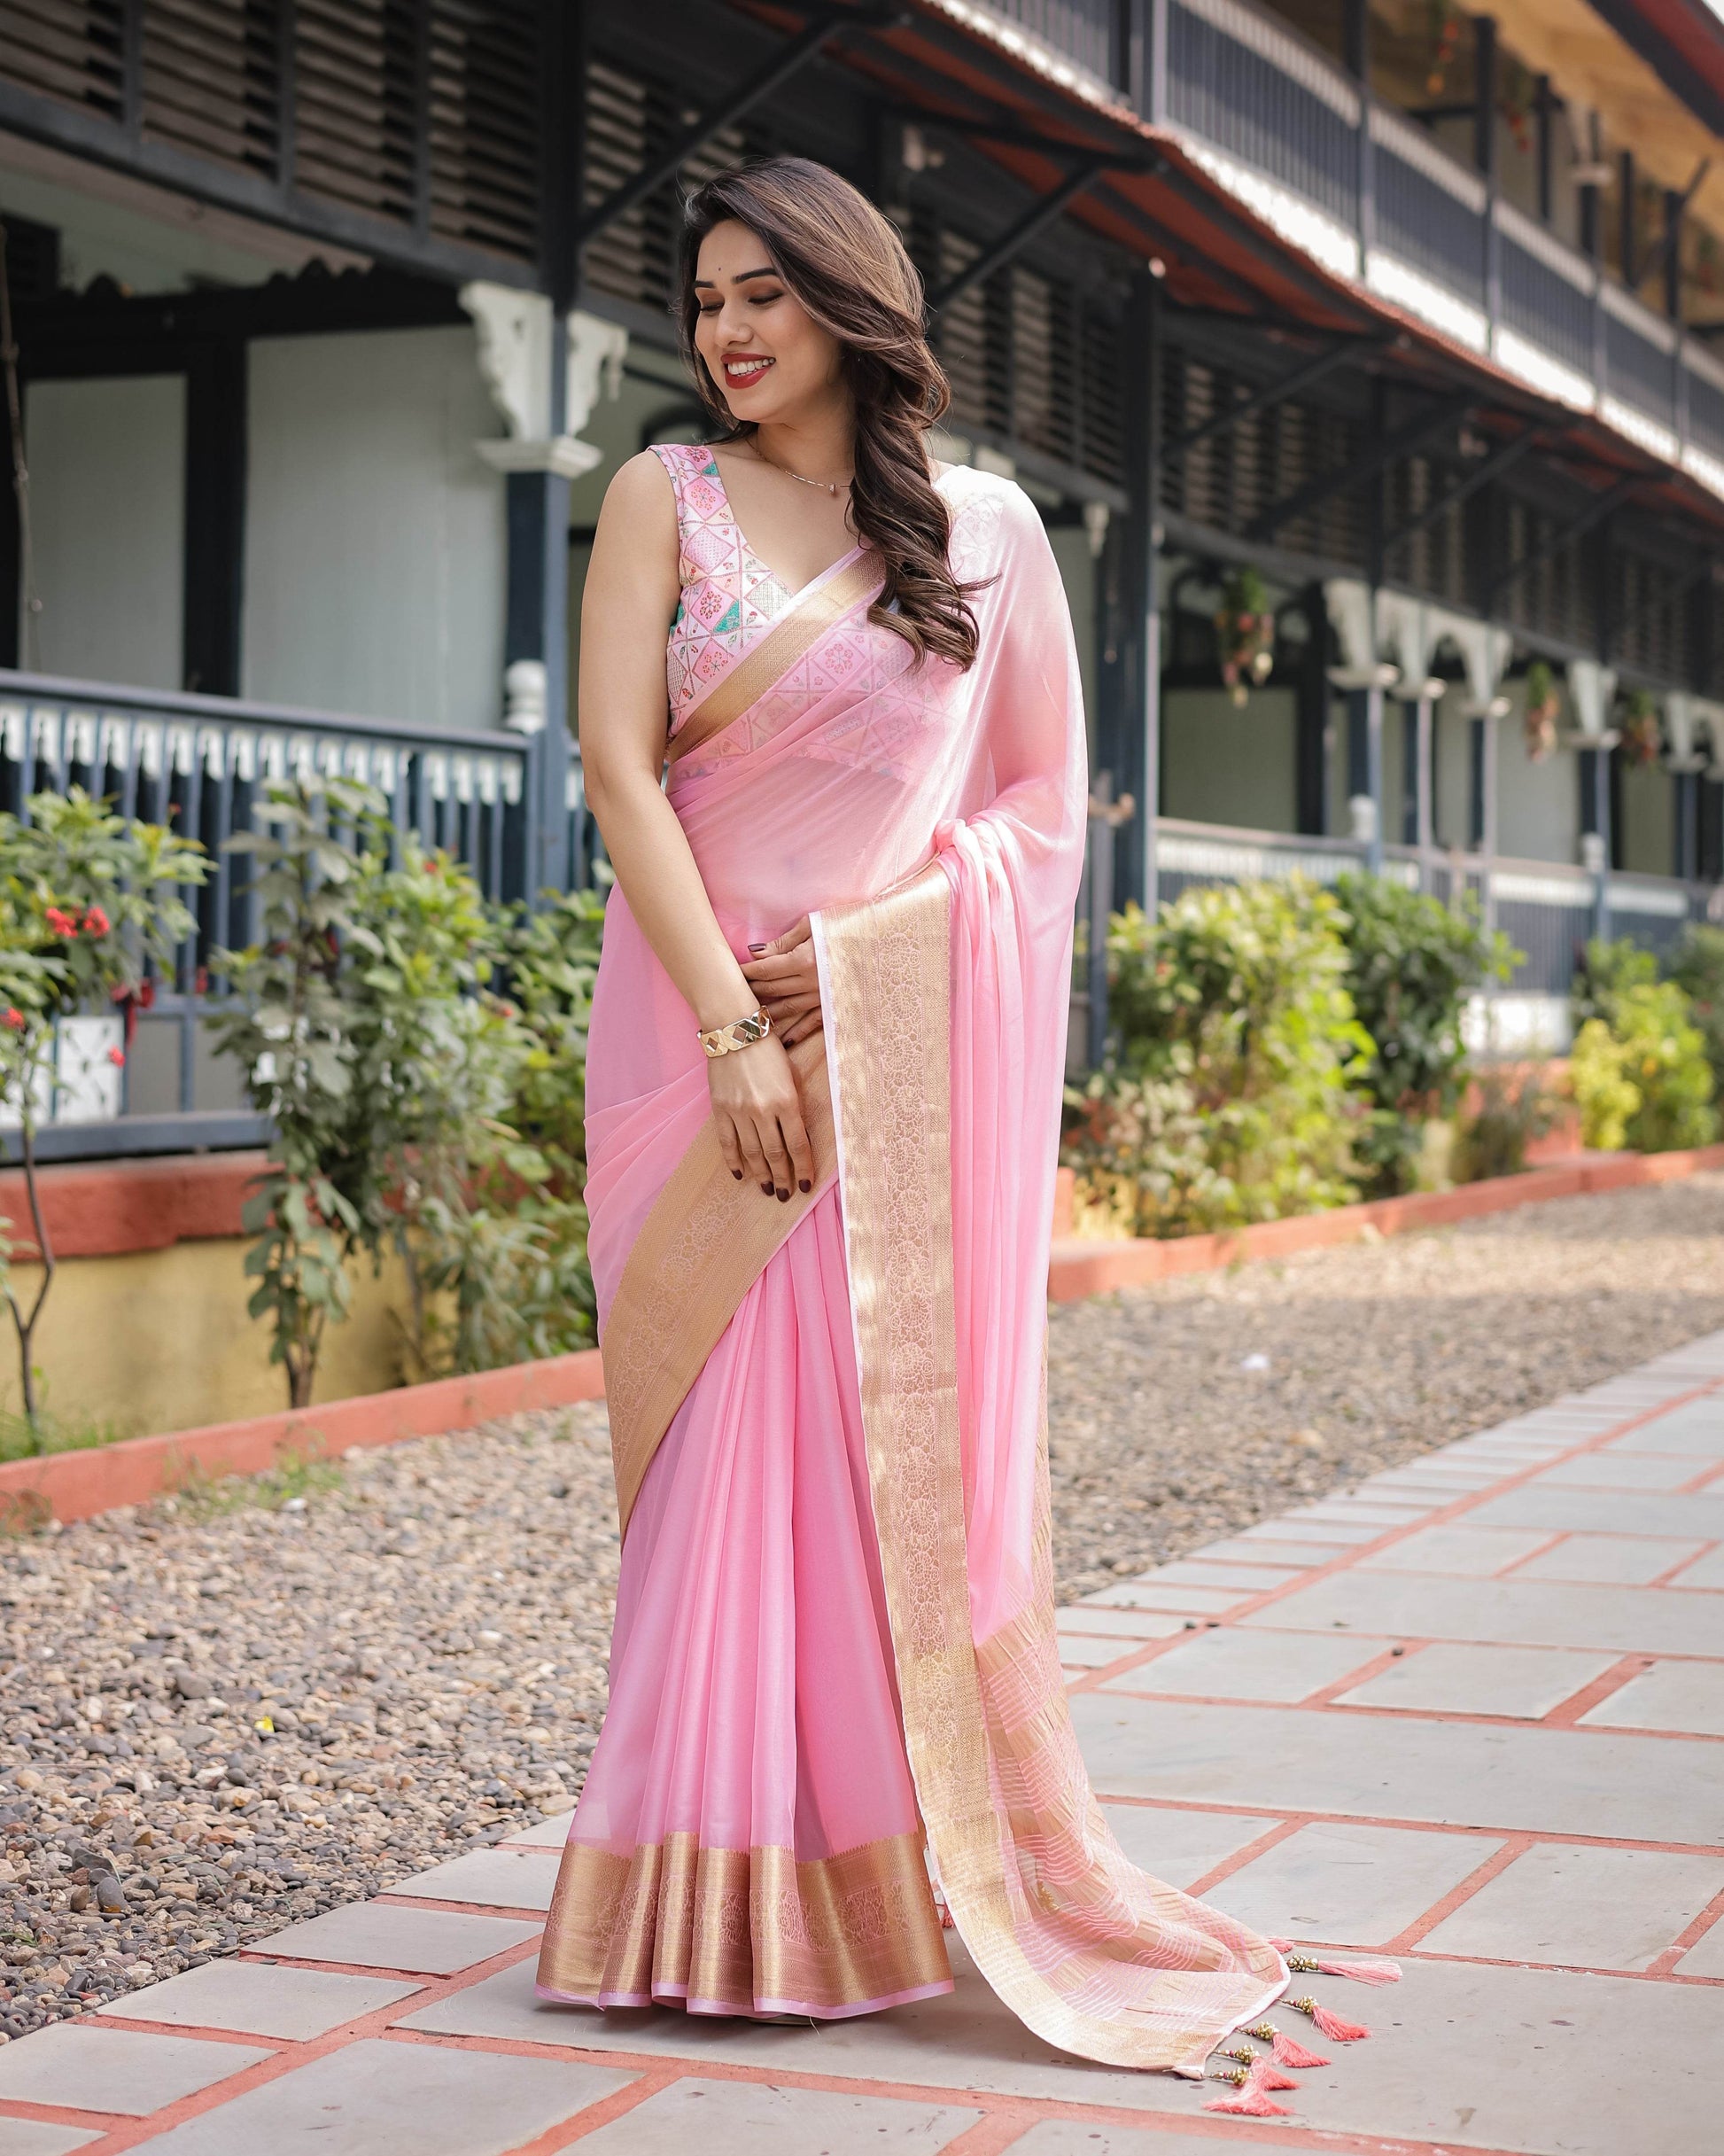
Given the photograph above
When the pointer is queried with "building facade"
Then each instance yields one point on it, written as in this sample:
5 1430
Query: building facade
1365 361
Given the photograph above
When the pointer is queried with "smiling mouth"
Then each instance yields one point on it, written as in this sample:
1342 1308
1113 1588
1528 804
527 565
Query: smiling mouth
740 372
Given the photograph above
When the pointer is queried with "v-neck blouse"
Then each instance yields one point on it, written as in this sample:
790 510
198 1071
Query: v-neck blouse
729 597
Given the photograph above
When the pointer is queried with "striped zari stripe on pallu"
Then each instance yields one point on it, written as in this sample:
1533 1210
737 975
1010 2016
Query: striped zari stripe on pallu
703 1246
744 1930
1088 1952
791 637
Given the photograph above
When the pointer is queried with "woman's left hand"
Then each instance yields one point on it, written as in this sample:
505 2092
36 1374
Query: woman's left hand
784 978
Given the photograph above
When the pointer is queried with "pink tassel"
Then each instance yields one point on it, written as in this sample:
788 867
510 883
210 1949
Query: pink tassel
1271 2077
948 1923
1288 2050
1251 2102
1332 2026
1363 1968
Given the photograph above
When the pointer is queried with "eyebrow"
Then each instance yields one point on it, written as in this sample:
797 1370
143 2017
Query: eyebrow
742 277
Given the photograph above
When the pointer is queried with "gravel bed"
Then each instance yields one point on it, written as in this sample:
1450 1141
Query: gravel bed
1188 1410
224 1713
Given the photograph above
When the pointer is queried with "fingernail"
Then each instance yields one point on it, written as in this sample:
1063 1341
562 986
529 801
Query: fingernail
767 1188
783 1197
737 1173
804 1185
756 948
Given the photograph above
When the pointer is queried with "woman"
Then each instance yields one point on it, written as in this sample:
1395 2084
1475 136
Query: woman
823 1100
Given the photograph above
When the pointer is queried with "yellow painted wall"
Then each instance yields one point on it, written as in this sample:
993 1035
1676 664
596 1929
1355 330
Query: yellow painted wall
160 1340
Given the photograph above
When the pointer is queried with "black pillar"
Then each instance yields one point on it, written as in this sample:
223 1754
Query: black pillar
1543 112
1672 254
1626 249
216 450
1311 718
1128 742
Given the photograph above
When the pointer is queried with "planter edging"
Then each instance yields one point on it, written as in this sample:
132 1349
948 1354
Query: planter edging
76 1485
1079 1266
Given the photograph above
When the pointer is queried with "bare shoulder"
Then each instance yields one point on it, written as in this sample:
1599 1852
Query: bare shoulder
640 494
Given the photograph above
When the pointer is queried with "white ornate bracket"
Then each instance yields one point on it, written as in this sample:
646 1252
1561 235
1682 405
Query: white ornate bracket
515 331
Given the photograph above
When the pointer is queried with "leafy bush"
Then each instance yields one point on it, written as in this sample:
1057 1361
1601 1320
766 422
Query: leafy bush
1413 962
1230 1022
415 1105
1642 1078
1512 1111
1698 968
1607 972
89 910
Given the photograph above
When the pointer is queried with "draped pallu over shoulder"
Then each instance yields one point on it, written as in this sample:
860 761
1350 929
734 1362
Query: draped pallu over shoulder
836 1621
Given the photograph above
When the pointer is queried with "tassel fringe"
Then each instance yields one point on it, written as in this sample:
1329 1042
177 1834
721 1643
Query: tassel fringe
1287 2051
1363 1968
1252 2102
1330 2025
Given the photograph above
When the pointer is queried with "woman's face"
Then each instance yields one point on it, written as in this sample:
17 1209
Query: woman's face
770 359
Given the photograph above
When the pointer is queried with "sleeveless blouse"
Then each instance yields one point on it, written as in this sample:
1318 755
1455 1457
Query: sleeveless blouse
729 595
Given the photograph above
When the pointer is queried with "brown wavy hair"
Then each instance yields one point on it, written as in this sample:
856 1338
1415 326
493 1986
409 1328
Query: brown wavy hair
848 266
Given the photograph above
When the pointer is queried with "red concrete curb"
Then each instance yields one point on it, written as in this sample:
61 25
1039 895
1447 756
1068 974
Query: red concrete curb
1079 1267
105 1207
74 1485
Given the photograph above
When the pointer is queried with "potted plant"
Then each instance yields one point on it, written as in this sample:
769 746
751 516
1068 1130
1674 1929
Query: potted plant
1641 735
1245 633
1543 705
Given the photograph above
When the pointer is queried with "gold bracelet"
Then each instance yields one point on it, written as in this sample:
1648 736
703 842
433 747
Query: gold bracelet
740 1033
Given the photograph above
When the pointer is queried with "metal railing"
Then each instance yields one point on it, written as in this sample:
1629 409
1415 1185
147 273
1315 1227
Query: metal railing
201 764
1374 197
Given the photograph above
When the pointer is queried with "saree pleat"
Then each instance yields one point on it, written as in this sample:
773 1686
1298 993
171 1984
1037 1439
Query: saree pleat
749 1839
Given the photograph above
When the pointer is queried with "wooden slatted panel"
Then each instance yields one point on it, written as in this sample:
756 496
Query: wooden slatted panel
211 72
355 70
631 121
1100 374
1240 473
1434 560
1652 612
1549 596
484 68
64 49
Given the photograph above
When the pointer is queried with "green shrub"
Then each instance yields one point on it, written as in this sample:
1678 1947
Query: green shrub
415 1105
1232 1037
1412 963
1510 1114
1698 968
1641 1076
1607 972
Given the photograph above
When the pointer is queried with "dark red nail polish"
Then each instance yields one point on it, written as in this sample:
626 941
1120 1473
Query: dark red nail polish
804 1185
756 948
737 1173
783 1197
767 1188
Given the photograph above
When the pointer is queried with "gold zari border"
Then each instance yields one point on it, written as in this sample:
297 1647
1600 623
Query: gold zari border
1086 1950
704 1244
743 1929
792 637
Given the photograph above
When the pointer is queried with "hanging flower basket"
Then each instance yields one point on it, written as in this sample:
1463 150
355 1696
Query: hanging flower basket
1643 737
1543 705
1245 633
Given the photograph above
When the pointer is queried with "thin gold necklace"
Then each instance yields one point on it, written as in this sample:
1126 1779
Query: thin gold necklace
827 486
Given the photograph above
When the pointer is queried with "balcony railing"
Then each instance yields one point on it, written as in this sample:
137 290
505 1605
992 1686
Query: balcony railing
201 764
1375 199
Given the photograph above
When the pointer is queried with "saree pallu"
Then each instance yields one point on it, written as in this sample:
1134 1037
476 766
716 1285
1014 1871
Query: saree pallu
835 1638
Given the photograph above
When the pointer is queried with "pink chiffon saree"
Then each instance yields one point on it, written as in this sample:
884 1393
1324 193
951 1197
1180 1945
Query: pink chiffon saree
834 1660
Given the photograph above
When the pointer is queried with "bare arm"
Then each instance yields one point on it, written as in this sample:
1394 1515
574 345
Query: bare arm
630 599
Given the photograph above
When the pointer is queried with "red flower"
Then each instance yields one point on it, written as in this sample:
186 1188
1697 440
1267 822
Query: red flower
116 1056
13 1018
62 923
96 922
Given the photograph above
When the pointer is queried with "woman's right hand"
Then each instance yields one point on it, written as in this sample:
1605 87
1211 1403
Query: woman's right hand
757 1112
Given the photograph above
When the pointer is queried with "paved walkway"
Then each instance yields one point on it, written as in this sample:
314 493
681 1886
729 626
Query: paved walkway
1470 1714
